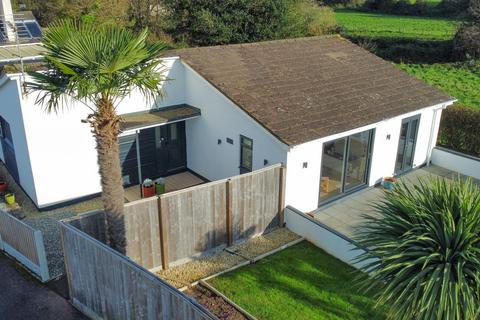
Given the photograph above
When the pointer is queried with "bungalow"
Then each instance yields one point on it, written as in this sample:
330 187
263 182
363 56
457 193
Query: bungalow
339 117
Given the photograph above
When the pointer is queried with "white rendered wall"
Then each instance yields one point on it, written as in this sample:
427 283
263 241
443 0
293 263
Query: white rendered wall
10 110
222 119
456 161
303 184
62 150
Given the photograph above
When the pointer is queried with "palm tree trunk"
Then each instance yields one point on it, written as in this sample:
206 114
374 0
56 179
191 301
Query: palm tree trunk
105 125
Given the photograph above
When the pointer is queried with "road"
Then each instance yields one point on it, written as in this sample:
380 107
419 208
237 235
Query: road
24 297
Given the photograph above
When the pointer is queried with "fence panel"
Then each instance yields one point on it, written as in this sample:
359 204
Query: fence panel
255 202
104 284
194 220
24 244
142 232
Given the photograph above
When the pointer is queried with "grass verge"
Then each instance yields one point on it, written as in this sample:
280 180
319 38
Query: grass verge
457 79
300 282
385 26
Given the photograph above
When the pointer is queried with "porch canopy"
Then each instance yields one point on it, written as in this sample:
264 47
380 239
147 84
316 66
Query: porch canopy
151 118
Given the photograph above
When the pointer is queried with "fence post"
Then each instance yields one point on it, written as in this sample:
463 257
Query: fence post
42 257
163 234
281 197
229 220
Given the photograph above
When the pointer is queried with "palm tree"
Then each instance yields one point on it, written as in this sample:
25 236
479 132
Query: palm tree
99 66
424 258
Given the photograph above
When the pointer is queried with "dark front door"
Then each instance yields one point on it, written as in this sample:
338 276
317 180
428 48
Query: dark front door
406 144
162 151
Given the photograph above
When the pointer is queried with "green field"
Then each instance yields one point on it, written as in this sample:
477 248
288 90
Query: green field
301 282
455 79
373 25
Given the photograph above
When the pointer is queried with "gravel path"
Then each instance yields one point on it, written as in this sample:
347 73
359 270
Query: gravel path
184 275
51 239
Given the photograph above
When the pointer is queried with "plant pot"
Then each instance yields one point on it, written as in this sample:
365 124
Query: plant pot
389 182
3 187
148 191
10 198
160 186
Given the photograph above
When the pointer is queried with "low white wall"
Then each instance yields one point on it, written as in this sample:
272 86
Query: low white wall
323 237
222 119
456 161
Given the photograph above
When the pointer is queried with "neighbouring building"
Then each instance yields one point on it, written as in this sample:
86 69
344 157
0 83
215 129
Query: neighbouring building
339 117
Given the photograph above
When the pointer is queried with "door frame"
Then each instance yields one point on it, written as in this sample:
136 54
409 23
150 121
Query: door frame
408 120
343 191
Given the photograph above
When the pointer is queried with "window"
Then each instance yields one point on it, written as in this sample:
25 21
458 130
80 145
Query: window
246 154
345 165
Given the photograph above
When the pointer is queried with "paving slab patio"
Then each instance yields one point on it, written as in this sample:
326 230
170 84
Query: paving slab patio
347 214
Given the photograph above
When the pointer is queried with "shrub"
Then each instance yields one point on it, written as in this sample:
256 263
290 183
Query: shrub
401 7
424 258
200 22
460 130
305 18
467 42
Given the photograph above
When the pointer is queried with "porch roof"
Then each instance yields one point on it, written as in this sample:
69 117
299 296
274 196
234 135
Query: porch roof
158 116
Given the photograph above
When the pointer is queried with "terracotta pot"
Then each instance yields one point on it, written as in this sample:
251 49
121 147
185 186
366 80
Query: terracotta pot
148 191
3 187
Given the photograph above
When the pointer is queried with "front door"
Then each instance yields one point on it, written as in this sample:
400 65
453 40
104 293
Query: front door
161 151
406 144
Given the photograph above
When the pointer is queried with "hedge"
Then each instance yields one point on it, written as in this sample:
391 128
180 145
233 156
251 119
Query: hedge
460 130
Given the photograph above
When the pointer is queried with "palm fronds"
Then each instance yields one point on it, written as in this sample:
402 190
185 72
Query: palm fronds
87 63
425 250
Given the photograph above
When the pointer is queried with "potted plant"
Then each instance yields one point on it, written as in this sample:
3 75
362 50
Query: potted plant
389 182
3 186
10 198
148 188
160 186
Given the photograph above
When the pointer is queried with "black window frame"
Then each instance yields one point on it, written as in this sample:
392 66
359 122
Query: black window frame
244 169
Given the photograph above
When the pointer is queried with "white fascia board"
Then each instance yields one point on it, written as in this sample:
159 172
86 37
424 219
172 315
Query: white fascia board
442 105
283 145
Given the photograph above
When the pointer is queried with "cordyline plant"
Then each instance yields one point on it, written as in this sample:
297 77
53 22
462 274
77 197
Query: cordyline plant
99 66
424 258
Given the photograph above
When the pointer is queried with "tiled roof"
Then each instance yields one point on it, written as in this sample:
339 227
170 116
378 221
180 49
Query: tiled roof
309 88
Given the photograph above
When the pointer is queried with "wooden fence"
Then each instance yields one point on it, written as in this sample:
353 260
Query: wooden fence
174 227
24 243
104 284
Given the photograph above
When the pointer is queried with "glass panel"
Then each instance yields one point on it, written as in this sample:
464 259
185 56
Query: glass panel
356 170
409 150
401 147
173 132
332 168
246 154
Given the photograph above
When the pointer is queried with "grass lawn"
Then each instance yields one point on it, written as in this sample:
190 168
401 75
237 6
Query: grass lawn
373 25
456 80
301 282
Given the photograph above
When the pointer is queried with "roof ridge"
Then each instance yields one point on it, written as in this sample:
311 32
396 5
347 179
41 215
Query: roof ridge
261 43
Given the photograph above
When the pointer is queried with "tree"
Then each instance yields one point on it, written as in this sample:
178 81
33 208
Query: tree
98 66
466 43
424 258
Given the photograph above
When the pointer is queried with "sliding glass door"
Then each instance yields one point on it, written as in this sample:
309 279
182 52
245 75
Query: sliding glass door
406 144
345 165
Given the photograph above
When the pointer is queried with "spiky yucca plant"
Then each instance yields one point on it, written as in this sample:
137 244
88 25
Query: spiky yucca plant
99 66
424 258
